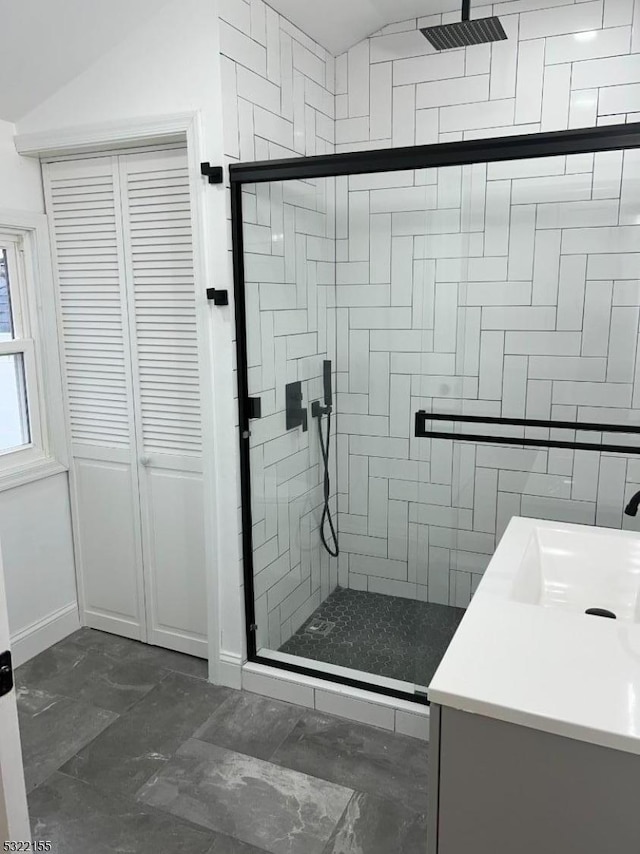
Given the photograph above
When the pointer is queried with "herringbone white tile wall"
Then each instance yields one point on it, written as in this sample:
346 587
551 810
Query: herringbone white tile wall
278 88
511 289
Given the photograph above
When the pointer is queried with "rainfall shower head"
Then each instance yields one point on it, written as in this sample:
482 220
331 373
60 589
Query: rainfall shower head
466 32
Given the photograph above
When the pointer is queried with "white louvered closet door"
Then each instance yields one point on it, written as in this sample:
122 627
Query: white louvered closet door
159 258
83 203
122 238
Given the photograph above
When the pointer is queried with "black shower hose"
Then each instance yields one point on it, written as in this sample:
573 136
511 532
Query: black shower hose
326 512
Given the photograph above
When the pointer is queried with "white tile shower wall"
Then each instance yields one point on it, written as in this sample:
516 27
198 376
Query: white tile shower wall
278 88
510 289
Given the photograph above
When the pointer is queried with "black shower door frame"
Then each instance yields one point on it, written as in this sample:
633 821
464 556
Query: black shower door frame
529 146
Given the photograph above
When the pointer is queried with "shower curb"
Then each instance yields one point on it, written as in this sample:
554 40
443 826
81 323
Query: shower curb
355 704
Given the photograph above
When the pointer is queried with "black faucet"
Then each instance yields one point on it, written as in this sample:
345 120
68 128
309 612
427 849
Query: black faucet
632 507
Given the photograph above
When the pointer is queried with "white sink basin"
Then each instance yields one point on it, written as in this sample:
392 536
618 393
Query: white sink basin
526 653
577 569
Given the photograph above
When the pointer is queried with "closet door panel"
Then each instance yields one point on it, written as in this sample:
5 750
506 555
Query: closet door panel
83 204
176 557
162 311
108 545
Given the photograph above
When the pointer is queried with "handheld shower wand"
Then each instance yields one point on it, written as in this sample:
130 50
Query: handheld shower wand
317 411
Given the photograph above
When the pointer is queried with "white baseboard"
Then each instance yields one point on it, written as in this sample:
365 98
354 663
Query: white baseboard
230 670
42 634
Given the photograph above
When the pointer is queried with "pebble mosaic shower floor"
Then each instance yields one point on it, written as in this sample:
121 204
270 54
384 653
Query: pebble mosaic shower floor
386 635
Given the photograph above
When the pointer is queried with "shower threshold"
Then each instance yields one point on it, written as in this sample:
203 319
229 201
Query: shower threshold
387 636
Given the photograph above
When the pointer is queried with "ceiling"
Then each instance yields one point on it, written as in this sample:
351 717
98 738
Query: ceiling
46 43
339 24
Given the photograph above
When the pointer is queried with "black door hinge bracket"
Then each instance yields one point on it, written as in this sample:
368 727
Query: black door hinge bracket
213 173
254 407
218 297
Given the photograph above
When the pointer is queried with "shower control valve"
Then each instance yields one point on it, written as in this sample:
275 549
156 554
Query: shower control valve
296 412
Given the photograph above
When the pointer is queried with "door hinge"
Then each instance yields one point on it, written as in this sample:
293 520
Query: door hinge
253 627
213 173
6 673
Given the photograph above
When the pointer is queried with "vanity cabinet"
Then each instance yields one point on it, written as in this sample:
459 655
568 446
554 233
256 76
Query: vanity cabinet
501 788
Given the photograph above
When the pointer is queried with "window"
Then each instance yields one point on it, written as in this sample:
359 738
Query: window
16 351
24 370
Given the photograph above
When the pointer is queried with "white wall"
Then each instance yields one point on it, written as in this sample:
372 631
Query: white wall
20 181
37 550
35 528
170 66
52 42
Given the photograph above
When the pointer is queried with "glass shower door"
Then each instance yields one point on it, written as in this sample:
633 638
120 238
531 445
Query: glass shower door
473 333
352 294
289 258
443 381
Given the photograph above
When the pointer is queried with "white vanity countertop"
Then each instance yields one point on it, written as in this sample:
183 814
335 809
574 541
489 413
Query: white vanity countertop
547 668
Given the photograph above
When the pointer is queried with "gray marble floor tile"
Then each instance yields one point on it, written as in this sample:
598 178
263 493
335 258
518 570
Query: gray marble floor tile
228 845
106 682
79 819
85 649
270 807
91 639
57 659
104 650
144 739
250 724
176 662
32 701
361 757
53 729
131 651
372 825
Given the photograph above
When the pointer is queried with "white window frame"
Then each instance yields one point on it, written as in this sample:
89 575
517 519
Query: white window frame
35 326
22 344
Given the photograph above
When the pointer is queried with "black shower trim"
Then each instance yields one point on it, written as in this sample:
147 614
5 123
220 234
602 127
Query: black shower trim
579 141
418 697
244 415
421 432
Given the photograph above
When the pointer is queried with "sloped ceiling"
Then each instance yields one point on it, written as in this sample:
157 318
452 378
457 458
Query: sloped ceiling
46 43
339 24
